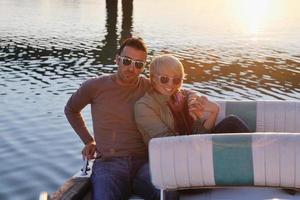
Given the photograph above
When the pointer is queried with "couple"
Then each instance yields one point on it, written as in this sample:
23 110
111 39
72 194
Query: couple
128 110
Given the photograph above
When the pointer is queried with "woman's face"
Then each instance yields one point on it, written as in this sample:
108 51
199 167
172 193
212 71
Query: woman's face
167 81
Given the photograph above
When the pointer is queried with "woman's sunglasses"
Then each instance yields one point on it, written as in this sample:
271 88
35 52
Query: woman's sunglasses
166 79
127 61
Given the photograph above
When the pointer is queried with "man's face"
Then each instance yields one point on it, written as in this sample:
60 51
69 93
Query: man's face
129 73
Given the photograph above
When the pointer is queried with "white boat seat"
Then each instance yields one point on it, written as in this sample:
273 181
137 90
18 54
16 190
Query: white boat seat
264 116
239 159
258 159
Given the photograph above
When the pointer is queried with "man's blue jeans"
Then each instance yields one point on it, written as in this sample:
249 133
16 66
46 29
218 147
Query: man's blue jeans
117 178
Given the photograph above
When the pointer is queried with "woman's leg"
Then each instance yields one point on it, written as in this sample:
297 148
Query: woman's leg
232 124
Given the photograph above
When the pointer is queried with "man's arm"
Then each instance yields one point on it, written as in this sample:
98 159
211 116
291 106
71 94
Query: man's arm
81 98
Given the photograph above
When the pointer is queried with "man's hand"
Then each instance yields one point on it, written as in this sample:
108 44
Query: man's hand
89 150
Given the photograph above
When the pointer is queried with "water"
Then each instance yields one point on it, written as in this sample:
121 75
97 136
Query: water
231 49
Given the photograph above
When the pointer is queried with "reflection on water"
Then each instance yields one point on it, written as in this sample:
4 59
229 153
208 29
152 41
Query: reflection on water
48 48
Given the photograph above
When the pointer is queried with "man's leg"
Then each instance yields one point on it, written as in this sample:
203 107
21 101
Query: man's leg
231 124
110 179
143 186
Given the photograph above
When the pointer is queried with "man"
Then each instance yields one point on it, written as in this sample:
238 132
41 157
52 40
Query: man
121 164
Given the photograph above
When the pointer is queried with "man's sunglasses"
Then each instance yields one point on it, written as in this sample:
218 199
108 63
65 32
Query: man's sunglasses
127 61
166 79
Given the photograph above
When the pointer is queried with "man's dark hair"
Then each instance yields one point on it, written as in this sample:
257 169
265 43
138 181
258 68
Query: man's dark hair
136 43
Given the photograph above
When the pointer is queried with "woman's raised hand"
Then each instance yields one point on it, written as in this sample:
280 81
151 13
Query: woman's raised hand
199 105
196 108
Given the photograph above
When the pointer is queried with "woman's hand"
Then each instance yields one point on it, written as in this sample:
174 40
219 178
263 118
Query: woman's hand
199 105
196 106
89 150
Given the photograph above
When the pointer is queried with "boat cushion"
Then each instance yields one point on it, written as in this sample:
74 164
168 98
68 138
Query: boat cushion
264 116
240 159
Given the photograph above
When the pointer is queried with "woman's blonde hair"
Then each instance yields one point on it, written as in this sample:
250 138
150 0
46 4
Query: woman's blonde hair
165 60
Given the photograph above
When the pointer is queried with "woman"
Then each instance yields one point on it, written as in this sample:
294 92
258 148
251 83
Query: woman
163 110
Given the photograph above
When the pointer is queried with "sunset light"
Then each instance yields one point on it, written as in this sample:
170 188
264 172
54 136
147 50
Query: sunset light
254 14
88 87
257 15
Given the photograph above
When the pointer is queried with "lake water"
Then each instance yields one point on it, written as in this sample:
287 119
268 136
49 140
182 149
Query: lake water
231 49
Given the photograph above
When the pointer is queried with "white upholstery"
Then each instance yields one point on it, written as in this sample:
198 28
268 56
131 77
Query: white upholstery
278 116
276 159
187 161
178 162
271 116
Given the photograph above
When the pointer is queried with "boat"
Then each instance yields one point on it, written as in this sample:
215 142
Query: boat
276 135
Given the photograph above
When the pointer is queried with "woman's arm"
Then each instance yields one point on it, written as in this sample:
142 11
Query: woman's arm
213 109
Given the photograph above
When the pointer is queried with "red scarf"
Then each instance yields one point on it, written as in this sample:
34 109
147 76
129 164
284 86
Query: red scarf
178 105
